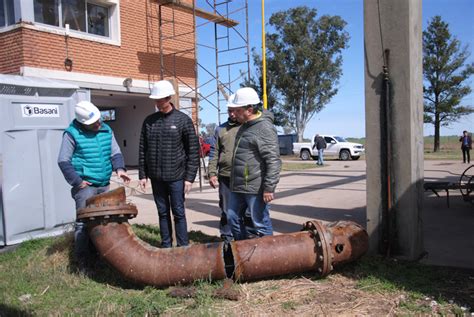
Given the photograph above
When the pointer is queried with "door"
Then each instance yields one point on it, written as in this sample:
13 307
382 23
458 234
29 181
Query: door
331 146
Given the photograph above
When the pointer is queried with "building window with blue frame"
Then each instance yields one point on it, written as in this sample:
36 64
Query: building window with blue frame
83 16
7 13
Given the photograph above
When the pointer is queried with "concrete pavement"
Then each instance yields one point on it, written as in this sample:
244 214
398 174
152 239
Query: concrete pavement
334 192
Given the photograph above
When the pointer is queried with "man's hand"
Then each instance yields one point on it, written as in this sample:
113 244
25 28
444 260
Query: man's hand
187 187
267 197
124 176
143 183
84 184
213 181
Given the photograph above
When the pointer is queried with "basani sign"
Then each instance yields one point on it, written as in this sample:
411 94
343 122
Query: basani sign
39 110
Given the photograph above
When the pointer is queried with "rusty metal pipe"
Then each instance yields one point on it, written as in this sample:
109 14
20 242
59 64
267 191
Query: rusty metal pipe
318 248
144 264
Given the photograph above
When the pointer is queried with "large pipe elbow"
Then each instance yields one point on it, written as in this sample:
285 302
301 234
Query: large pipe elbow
318 248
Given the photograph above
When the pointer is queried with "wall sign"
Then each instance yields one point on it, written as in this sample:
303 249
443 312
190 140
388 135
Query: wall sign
39 110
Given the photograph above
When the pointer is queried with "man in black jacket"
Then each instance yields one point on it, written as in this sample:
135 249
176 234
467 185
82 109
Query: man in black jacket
466 146
169 157
320 144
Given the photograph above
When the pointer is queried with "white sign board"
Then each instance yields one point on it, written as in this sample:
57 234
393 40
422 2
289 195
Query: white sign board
39 110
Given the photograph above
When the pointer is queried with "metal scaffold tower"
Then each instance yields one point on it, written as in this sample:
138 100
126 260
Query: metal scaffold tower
208 54
218 29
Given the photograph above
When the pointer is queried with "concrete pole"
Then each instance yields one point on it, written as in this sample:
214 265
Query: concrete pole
394 137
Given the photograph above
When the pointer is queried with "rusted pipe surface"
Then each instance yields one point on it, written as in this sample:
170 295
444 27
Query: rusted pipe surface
321 246
135 259
273 255
145 264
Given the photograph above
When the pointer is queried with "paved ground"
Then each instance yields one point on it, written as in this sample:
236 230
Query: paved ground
338 191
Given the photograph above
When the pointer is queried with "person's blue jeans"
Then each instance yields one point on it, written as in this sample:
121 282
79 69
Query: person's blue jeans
259 213
321 157
224 197
170 195
82 243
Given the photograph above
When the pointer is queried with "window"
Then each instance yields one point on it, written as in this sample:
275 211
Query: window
328 139
7 13
81 15
98 19
107 115
73 13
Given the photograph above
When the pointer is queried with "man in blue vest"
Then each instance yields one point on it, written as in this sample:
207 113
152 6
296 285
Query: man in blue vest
88 155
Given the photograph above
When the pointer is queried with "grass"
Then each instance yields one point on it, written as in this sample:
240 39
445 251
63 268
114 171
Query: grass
450 288
40 278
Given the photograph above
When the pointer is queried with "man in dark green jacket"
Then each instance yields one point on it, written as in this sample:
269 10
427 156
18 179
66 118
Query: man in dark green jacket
220 166
256 166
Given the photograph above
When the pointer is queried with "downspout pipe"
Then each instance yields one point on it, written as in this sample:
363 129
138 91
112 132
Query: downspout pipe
319 247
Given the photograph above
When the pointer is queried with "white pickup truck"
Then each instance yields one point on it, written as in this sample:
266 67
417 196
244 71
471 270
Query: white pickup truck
336 146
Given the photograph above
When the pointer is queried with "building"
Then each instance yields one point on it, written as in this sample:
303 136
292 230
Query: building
114 49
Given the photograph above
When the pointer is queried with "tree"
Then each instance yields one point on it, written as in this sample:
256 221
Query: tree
304 62
256 82
445 73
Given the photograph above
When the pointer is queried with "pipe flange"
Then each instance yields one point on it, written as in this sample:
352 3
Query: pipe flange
322 245
90 213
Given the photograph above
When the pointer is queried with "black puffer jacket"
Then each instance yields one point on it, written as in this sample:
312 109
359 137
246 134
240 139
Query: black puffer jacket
169 147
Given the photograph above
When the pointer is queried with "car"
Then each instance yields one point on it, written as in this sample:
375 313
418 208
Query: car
335 146
205 147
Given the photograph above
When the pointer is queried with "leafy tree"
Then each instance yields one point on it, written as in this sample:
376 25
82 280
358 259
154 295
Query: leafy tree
445 72
304 63
256 82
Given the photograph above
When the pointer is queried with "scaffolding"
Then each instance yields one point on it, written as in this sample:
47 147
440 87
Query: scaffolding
214 27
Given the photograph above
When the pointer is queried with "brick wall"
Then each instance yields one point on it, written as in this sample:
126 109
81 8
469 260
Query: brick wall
11 52
138 56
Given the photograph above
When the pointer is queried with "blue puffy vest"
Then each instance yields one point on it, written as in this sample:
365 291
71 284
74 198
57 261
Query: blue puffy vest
92 155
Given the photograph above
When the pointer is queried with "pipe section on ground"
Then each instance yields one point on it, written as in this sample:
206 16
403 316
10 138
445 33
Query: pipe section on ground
319 247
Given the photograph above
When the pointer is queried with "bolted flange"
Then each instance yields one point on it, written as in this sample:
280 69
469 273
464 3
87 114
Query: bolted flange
322 239
107 205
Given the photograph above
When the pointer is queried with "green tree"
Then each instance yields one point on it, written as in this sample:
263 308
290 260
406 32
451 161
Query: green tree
445 72
256 82
304 62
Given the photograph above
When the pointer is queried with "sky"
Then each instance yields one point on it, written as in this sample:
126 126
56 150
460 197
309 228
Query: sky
344 115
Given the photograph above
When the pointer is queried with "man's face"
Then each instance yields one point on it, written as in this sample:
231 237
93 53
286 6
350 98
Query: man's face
94 127
163 104
242 114
231 113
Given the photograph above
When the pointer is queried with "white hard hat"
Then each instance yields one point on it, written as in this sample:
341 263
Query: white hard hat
230 101
86 112
244 97
162 89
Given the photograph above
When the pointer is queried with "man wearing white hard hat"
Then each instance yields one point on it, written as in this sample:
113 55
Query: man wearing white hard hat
88 155
169 157
220 165
256 166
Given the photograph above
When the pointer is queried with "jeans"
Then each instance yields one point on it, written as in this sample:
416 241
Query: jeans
170 195
82 244
259 212
320 156
224 196
465 153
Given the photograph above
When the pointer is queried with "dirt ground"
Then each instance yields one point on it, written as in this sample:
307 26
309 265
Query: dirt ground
336 295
